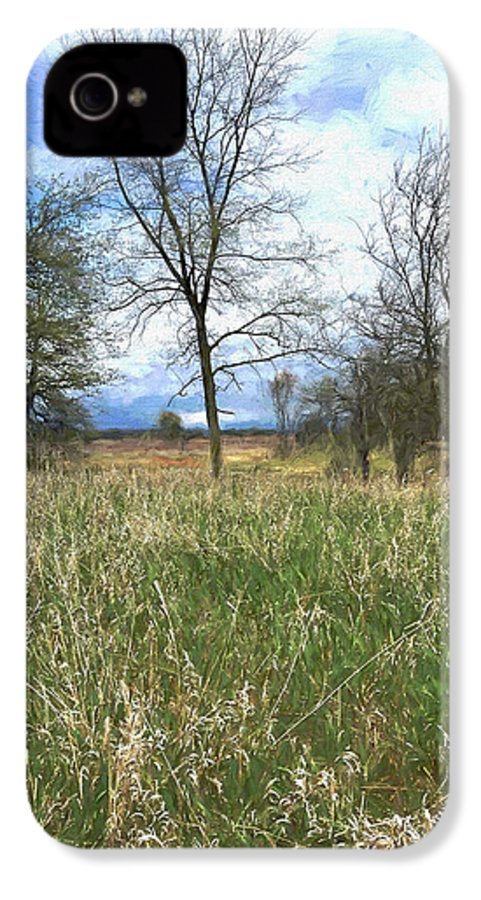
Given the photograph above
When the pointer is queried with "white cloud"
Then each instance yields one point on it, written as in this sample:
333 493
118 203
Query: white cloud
194 418
407 101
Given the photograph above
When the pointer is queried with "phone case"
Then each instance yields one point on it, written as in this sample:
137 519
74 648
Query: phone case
237 435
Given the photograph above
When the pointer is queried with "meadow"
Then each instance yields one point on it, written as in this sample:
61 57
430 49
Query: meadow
259 662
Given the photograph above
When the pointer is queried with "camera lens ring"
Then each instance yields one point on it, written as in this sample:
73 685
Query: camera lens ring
77 105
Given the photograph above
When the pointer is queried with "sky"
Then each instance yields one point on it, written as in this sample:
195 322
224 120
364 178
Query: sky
365 97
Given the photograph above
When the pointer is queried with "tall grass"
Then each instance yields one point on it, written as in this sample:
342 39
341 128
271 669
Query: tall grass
255 663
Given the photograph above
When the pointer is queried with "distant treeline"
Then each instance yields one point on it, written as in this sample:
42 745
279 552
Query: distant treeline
118 434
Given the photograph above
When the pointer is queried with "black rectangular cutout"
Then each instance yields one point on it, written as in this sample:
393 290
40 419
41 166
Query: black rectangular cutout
117 100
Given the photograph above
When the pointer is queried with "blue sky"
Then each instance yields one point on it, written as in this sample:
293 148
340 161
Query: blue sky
365 96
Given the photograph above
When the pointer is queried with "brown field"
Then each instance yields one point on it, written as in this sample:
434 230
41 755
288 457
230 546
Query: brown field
153 452
244 452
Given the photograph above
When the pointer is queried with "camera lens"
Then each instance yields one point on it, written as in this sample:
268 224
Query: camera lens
94 96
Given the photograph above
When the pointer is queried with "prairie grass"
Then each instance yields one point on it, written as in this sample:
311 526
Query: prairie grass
259 662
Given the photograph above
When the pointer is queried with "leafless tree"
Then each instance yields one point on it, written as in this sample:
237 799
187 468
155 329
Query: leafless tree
409 245
282 389
217 247
405 321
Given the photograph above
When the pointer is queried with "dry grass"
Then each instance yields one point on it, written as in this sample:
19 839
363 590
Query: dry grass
259 662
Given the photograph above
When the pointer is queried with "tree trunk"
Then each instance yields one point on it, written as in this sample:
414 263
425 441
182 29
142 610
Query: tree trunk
284 445
404 452
210 401
31 389
364 442
365 464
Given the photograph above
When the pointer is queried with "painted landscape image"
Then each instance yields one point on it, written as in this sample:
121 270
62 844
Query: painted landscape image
237 455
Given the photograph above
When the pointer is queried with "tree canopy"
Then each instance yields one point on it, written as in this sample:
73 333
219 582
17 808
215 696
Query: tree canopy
64 331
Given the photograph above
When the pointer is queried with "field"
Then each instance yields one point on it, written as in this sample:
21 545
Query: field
153 452
257 662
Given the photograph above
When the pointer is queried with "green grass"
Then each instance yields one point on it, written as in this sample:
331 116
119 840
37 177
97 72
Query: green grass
255 663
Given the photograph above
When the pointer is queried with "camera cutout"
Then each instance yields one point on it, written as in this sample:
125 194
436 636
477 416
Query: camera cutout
117 100
94 96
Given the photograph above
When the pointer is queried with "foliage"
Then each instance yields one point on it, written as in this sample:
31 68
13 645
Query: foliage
169 425
64 334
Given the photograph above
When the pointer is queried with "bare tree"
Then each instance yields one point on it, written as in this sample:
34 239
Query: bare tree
405 321
283 391
409 245
321 409
219 249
